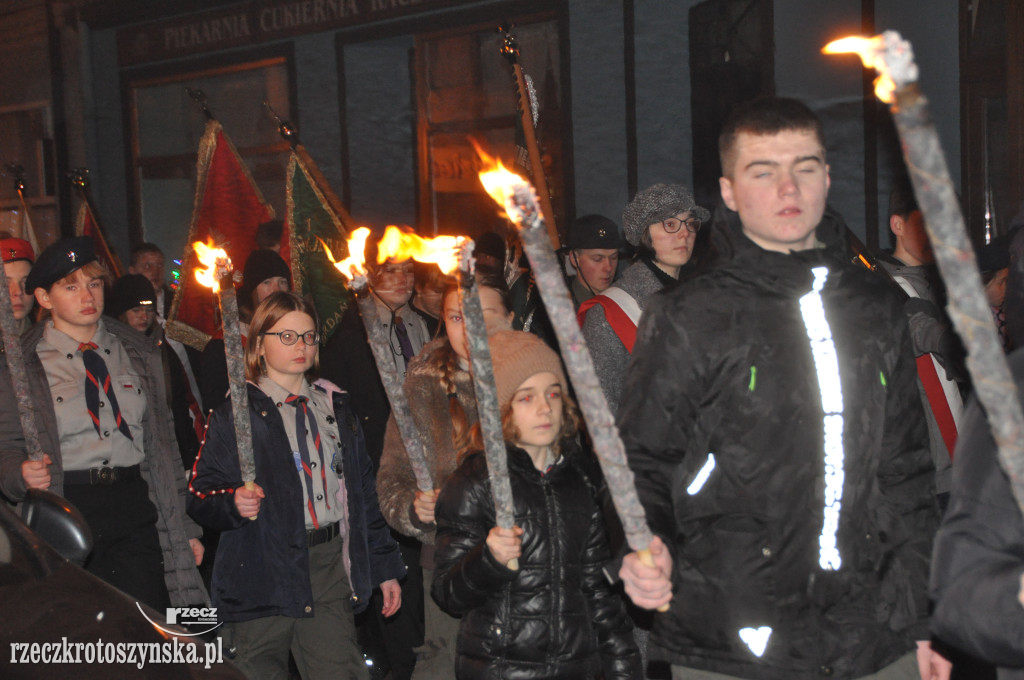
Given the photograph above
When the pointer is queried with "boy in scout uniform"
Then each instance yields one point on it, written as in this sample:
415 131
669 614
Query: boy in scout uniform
106 433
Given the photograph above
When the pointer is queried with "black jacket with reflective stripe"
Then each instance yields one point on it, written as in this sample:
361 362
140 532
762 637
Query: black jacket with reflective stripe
724 365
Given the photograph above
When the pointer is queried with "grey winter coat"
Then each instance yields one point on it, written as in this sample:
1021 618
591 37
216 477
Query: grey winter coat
161 467
610 356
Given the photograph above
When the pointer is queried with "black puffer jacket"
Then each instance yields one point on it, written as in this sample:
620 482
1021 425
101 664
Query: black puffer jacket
556 617
723 365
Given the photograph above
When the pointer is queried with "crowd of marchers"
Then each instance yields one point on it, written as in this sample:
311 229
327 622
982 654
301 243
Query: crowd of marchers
823 492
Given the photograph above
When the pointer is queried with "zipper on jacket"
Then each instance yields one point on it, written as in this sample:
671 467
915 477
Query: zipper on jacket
555 560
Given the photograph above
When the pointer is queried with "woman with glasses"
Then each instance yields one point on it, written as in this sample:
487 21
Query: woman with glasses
307 544
662 222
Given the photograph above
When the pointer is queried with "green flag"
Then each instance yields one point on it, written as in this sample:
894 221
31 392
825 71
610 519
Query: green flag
311 220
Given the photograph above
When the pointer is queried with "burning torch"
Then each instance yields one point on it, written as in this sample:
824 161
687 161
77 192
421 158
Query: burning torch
447 252
354 270
519 200
897 86
218 275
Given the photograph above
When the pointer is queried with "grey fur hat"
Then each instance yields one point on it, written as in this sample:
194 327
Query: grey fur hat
656 204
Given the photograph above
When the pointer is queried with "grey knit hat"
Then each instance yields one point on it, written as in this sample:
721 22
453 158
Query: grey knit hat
656 204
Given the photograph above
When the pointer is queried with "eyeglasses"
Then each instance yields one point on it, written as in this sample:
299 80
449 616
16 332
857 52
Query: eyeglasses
672 225
289 338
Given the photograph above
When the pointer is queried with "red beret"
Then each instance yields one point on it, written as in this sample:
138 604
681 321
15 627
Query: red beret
12 249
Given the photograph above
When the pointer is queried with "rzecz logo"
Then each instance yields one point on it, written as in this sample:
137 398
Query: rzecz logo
185 616
204 618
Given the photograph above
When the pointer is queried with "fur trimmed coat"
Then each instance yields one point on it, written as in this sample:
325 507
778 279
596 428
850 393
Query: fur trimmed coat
396 483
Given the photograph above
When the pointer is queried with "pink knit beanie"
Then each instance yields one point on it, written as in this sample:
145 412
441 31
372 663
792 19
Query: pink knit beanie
516 357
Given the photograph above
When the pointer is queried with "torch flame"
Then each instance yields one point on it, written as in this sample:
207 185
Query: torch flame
442 251
354 265
400 245
871 53
499 181
215 260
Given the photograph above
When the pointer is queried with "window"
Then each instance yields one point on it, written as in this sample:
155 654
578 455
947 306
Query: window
167 125
26 153
465 89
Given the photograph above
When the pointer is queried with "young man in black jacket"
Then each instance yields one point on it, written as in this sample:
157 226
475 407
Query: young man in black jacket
773 424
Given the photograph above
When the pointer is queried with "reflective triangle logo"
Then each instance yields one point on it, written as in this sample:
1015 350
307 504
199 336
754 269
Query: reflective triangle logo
756 638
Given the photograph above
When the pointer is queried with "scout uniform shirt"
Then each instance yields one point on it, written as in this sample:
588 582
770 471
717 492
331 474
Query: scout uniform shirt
415 327
329 502
81 446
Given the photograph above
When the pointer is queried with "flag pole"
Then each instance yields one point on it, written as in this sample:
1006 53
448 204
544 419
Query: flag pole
525 103
28 230
290 134
227 201
309 224
80 179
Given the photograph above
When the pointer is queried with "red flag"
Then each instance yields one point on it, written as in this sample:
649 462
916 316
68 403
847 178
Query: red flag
87 225
229 207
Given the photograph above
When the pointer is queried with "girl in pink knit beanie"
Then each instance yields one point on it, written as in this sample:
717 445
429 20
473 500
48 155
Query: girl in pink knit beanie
555 616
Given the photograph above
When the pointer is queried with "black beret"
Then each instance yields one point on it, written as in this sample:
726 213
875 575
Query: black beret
59 260
490 243
128 292
594 231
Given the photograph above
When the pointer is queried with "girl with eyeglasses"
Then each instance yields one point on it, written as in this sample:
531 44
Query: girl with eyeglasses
662 222
307 544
